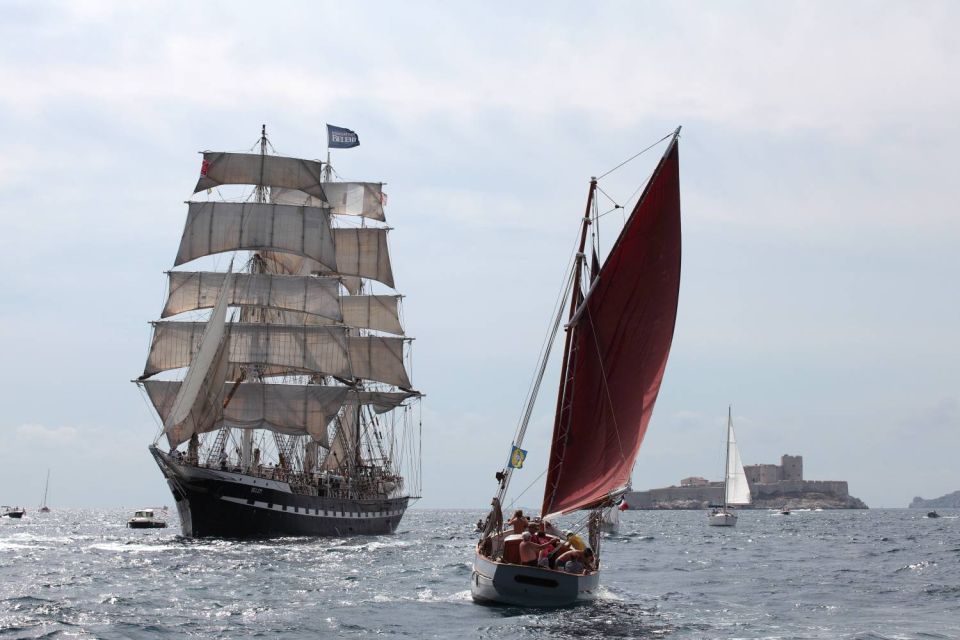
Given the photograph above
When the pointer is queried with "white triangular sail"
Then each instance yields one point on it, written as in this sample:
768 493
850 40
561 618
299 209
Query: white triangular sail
195 407
737 487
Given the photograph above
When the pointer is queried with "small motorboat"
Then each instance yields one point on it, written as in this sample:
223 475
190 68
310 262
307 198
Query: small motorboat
785 511
145 519
14 512
933 514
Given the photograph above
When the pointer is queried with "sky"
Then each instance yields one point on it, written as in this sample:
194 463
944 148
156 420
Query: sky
818 183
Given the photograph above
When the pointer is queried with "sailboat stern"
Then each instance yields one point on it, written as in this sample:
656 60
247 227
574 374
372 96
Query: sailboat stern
524 586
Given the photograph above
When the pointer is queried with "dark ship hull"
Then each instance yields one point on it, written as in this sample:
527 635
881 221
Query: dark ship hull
226 504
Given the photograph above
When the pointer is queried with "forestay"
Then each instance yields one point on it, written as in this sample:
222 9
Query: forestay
259 169
215 227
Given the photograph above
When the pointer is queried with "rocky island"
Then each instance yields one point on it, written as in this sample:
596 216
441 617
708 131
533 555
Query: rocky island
772 486
949 501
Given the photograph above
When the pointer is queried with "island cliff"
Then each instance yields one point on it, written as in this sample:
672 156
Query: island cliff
771 486
949 501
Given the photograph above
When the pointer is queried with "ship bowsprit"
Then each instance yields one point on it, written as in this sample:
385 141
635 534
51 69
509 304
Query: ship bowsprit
229 504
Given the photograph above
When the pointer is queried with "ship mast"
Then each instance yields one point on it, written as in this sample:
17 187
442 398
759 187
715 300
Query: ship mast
261 194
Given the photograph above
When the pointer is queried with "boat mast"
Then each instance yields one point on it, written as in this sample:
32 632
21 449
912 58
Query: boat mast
726 468
46 486
507 473
260 195
566 369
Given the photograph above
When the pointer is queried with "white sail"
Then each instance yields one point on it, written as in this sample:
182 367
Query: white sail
381 401
344 198
285 348
194 408
190 290
379 313
215 227
315 349
290 409
380 359
737 487
344 441
360 253
254 168
363 253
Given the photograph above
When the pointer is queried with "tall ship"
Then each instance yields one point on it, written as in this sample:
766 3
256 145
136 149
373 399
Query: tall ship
279 366
620 317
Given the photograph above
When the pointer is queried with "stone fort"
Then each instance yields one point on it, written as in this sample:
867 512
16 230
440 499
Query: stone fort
769 483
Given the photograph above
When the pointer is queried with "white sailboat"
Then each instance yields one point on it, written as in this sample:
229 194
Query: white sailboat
736 489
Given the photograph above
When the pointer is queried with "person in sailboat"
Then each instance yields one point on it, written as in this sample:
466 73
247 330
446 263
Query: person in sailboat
575 540
578 562
518 522
529 550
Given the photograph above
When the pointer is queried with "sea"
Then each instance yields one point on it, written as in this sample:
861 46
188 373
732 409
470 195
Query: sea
873 575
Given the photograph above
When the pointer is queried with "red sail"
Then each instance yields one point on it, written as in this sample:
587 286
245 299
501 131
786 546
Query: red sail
617 351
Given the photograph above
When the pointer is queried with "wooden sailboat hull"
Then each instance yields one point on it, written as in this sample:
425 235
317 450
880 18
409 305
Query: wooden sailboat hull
518 585
227 504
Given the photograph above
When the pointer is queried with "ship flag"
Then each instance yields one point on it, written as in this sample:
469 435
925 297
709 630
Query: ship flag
341 138
517 457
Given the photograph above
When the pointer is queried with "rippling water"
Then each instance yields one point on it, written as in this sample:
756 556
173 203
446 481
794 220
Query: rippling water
832 574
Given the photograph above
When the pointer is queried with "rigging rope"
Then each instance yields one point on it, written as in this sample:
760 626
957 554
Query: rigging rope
636 155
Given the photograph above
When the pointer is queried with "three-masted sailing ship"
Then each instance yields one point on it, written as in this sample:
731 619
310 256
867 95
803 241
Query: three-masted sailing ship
282 387
736 489
619 331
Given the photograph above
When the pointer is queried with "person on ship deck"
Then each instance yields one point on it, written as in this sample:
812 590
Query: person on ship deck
518 522
529 550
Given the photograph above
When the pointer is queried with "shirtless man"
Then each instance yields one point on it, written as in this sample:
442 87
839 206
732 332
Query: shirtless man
529 550
518 522
582 561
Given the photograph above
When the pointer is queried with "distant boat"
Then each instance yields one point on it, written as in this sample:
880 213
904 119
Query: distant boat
736 489
43 507
146 519
13 512
933 514
784 511
610 522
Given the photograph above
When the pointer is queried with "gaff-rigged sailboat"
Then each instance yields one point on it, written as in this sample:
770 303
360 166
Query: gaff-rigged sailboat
293 410
619 331
736 489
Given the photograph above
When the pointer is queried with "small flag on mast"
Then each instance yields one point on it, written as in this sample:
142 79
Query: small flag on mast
517 456
340 138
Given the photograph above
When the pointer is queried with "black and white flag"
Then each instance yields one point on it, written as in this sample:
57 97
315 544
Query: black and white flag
340 138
